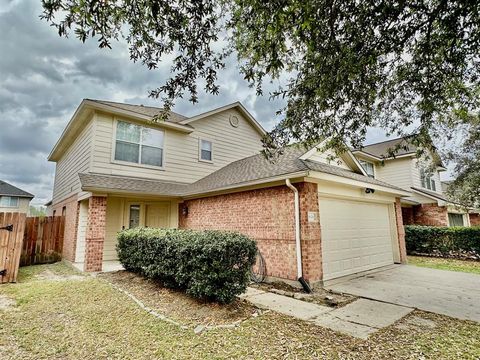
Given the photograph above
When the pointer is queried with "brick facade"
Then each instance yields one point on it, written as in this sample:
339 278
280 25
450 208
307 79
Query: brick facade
430 214
266 215
474 219
95 235
400 231
407 215
71 224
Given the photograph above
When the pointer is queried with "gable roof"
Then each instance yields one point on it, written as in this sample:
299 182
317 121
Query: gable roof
381 149
238 105
150 111
10 190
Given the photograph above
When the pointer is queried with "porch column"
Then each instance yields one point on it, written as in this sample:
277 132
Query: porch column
95 235
400 231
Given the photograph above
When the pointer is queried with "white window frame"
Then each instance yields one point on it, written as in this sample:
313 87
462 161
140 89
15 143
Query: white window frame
362 162
200 150
139 164
10 201
466 218
427 180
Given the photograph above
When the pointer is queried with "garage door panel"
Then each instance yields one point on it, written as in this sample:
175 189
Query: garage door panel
356 236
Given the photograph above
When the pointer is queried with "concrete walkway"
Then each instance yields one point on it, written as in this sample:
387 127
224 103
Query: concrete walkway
359 318
450 293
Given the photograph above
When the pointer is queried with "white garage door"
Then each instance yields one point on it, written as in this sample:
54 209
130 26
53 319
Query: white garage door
356 236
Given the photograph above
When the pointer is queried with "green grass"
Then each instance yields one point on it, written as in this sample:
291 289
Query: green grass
445 264
88 319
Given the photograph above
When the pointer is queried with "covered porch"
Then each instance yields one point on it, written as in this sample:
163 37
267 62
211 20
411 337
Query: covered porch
114 204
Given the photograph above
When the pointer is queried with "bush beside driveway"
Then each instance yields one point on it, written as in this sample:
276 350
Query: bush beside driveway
88 319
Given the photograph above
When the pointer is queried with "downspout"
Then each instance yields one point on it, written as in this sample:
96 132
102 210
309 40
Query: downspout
298 246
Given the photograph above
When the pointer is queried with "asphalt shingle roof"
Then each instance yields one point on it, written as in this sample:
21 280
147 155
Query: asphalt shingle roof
381 149
242 171
10 190
431 193
143 110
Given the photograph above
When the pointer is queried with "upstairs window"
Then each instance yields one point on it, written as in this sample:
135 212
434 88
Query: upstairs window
139 144
9 201
369 168
427 180
206 150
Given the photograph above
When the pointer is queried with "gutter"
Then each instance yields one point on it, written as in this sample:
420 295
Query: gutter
298 245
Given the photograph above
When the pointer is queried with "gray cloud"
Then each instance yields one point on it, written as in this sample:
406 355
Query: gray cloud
43 78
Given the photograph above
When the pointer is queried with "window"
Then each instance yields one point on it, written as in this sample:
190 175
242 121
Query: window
138 144
369 168
455 219
134 216
205 150
427 180
8 201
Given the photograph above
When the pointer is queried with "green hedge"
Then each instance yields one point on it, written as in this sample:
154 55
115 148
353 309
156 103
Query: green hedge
445 241
211 265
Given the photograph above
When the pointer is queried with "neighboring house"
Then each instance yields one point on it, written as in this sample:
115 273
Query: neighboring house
311 217
427 205
13 199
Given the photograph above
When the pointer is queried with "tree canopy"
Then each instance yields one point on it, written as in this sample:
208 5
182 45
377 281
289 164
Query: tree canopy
407 66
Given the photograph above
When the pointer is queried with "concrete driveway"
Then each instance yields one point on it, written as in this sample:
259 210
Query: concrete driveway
454 294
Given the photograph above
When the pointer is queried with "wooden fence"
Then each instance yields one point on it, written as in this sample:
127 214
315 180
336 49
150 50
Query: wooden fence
12 227
28 241
43 240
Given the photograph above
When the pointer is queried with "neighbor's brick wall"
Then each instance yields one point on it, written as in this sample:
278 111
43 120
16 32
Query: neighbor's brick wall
400 231
407 215
71 225
430 214
474 219
267 216
95 236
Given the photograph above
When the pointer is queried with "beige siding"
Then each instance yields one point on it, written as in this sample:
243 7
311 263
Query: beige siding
397 172
75 160
417 182
23 206
328 157
181 151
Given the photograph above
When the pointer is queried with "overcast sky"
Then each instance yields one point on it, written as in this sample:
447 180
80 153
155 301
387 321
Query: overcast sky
43 78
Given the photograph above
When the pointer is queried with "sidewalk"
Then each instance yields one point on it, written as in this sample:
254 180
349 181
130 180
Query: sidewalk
359 318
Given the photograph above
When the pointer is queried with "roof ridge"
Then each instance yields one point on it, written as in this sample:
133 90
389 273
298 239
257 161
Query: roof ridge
109 102
384 141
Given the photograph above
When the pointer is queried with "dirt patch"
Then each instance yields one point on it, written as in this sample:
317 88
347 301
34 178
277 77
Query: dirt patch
176 304
7 304
319 296
52 276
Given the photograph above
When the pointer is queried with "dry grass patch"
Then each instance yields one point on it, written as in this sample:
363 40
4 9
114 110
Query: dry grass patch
469 266
91 320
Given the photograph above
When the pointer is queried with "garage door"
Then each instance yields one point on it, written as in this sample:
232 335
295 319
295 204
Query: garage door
356 236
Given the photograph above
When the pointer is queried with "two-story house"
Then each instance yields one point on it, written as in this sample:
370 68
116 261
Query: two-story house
13 199
427 205
311 217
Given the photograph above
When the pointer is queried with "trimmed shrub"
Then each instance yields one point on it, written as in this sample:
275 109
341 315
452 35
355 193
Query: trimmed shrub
212 265
443 241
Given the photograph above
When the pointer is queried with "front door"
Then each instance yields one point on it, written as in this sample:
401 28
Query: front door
157 215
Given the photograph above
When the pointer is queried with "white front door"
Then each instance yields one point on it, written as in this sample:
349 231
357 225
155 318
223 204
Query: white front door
356 236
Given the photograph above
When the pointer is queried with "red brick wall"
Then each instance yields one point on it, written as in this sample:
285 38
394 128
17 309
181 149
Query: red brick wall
430 214
266 215
71 221
95 236
400 231
407 215
474 219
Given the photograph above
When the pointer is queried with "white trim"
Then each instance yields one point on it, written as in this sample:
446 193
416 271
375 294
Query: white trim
236 104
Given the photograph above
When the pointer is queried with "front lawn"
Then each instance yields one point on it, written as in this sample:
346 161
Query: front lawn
468 266
54 313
